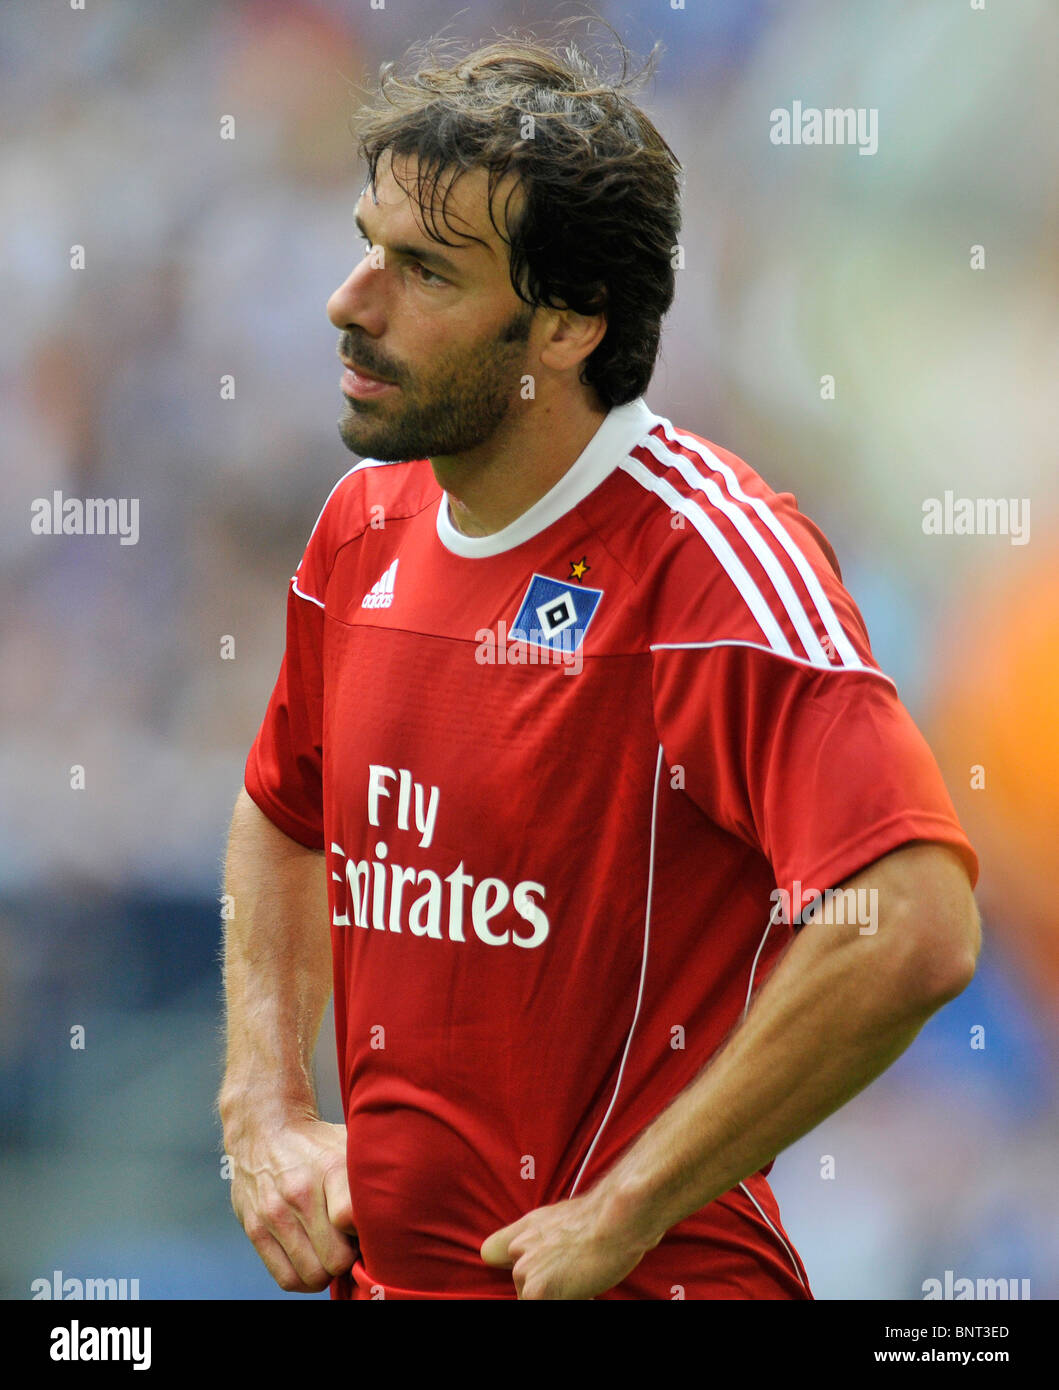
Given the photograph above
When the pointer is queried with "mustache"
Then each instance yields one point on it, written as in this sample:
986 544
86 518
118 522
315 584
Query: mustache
359 350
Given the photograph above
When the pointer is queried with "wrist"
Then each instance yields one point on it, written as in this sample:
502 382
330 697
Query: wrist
629 1206
246 1109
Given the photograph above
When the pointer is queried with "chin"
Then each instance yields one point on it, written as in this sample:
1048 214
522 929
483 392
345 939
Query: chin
372 444
358 435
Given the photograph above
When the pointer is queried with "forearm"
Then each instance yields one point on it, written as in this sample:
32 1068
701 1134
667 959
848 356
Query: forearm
277 971
838 1009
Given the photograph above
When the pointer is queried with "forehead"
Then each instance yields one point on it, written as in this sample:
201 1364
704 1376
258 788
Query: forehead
455 205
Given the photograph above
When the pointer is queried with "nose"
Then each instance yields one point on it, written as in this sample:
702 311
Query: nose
358 301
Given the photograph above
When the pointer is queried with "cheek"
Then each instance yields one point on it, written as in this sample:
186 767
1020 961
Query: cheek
432 352
439 344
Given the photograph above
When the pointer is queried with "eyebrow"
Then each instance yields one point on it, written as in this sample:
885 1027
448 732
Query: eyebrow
429 258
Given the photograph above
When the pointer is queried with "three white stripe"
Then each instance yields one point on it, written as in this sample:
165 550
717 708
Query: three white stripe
732 507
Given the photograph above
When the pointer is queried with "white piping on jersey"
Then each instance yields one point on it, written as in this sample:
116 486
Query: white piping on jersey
364 463
810 641
812 583
773 919
757 647
294 586
643 974
636 1015
772 1228
731 563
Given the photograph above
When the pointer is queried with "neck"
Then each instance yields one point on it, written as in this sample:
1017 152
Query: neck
491 486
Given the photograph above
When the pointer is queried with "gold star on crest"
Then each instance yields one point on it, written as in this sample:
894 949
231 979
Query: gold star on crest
579 568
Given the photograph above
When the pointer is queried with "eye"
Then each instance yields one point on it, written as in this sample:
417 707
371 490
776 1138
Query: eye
427 277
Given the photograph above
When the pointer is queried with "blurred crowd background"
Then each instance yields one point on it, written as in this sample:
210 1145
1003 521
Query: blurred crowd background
205 257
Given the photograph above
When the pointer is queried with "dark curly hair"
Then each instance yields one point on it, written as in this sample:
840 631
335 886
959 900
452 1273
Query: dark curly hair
597 228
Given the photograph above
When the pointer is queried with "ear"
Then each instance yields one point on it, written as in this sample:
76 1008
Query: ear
570 337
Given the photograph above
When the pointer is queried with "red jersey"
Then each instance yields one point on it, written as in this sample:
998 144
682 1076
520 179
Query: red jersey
561 775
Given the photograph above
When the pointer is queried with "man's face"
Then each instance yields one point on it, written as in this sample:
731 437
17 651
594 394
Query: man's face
441 326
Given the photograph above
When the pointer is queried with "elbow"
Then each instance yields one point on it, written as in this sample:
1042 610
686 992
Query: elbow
926 934
951 978
942 957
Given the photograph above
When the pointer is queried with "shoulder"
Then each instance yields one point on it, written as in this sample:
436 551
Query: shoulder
368 496
723 558
373 491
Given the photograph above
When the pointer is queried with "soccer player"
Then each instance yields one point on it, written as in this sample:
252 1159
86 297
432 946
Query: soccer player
575 717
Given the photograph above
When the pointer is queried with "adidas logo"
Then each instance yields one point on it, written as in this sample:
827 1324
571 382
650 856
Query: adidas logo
381 593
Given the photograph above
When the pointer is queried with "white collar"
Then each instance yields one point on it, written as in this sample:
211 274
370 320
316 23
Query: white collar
620 432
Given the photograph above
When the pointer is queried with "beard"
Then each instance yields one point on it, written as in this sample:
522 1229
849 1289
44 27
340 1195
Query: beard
458 407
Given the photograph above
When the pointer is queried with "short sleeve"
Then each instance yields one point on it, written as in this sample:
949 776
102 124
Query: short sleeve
823 770
284 769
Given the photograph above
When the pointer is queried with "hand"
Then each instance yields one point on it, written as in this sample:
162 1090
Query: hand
571 1250
291 1193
